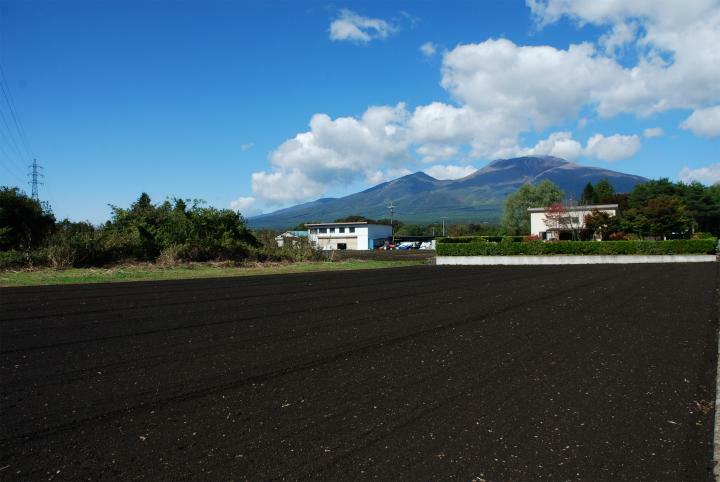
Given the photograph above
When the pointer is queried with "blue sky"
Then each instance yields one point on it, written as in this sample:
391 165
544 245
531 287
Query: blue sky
260 105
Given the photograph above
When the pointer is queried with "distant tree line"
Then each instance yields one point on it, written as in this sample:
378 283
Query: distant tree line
657 209
175 230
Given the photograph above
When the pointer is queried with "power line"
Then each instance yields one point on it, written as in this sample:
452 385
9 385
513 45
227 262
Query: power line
5 88
6 155
8 134
12 174
11 169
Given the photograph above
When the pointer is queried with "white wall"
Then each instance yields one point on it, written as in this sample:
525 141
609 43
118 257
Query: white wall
363 235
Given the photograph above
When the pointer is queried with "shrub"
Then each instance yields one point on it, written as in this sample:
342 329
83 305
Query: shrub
12 259
680 246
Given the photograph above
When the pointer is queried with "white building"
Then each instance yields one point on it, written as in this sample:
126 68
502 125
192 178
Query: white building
550 225
290 238
352 235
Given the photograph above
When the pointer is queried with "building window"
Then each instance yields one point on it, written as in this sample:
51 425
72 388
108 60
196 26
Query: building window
332 230
341 230
323 230
352 230
342 246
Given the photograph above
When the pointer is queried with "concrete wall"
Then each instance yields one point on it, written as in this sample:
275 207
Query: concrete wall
562 259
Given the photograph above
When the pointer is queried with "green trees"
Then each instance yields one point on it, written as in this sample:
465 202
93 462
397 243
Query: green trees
660 216
662 208
176 230
24 224
588 194
515 217
193 233
603 192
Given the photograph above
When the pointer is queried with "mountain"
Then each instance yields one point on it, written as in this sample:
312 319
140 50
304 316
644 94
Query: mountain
478 197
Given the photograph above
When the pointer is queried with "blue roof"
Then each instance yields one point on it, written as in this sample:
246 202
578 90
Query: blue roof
298 234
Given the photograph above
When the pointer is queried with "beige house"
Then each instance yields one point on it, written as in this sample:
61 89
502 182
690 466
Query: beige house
548 224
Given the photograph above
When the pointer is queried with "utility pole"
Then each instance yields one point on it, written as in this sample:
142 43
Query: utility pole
35 174
391 207
443 220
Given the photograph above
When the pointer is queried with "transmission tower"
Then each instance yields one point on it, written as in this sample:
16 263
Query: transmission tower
35 174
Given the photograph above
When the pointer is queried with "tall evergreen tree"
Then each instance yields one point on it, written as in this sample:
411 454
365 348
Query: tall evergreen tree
604 191
588 194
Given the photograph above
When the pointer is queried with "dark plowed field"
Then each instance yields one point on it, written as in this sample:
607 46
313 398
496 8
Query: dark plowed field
422 373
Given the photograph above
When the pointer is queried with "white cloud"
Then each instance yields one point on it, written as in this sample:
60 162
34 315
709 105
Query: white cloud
382 176
335 152
618 37
704 122
653 132
428 49
558 144
676 43
246 205
561 144
651 56
350 26
283 187
705 175
245 147
531 87
435 152
440 171
612 148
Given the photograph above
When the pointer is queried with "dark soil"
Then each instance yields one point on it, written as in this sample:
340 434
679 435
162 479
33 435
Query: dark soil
421 373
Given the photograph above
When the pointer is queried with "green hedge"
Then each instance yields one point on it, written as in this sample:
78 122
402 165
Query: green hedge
679 246
482 239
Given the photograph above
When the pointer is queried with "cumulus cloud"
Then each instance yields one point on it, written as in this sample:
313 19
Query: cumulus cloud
284 187
612 148
434 152
428 49
382 176
335 152
679 63
532 87
651 132
349 26
558 144
704 122
246 205
561 144
651 57
705 175
449 171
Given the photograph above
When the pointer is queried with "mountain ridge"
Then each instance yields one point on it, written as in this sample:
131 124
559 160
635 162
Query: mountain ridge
477 197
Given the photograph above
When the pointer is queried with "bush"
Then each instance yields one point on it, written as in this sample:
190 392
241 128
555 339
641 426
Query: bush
12 259
679 246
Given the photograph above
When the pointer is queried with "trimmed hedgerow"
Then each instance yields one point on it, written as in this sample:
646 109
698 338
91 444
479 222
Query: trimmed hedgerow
677 246
482 239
